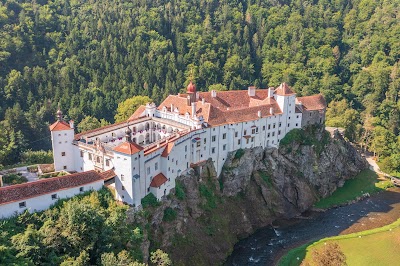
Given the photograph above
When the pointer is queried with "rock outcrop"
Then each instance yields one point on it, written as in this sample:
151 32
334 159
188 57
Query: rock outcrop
255 188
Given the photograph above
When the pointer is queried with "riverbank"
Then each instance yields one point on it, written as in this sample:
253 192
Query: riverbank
384 210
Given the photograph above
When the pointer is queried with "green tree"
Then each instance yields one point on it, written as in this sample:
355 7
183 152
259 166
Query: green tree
88 123
129 106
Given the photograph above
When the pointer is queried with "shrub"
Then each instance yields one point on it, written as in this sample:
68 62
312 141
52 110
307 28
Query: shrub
239 153
150 200
169 214
13 179
210 197
179 191
34 157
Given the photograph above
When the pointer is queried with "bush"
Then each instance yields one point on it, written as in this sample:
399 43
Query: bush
210 197
239 153
150 200
34 157
169 214
13 179
179 191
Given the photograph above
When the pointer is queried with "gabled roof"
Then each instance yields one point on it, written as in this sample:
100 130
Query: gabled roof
158 180
46 186
138 113
313 102
60 125
168 149
128 148
107 175
284 90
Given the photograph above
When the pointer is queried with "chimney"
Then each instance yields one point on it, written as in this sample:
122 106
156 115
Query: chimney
172 107
259 114
193 109
271 110
251 91
214 93
270 92
203 101
188 100
71 124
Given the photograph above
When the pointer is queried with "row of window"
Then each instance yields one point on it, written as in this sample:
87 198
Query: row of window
53 197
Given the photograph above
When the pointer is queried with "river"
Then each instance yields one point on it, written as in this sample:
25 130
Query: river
265 246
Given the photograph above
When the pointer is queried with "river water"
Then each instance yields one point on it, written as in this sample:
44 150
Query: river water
266 245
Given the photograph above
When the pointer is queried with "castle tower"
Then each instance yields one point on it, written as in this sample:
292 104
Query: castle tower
130 184
62 136
191 91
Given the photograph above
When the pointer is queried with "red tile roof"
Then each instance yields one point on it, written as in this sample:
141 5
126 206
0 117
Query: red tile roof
128 148
284 90
46 186
138 113
168 149
158 180
107 175
60 125
313 102
226 107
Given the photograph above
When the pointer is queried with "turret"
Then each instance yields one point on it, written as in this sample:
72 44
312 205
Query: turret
62 136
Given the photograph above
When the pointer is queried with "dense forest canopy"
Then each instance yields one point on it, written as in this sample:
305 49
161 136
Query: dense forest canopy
92 55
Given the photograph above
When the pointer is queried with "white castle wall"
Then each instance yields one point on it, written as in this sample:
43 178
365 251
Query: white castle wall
63 151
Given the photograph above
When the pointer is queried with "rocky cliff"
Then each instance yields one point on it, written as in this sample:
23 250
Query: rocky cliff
200 224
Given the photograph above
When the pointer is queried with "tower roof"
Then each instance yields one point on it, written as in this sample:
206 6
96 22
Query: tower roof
60 125
191 88
128 147
284 90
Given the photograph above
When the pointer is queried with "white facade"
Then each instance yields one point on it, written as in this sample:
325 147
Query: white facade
172 141
44 201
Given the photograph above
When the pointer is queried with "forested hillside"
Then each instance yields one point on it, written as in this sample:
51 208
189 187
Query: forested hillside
92 55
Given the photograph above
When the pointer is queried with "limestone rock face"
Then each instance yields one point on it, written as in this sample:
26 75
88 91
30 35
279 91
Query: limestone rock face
255 188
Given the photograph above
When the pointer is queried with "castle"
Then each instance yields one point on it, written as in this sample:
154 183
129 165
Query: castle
146 153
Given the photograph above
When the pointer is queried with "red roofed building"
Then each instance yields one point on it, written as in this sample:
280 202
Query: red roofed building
40 195
159 143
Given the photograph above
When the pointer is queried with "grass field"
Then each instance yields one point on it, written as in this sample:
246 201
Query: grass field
366 181
377 246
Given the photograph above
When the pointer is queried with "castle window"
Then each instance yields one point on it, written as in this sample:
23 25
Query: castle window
81 153
156 166
98 159
263 128
65 167
148 170
81 189
236 134
59 135
269 126
273 134
224 136
54 196
297 124
22 204
148 189
252 139
238 141
59 142
224 147
198 144
247 141
279 132
185 148
122 178
107 162
205 140
273 126
213 138
123 188
289 117
253 131
90 156
176 162
280 124
212 150
245 132
269 134
63 153
213 129
297 116
288 125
